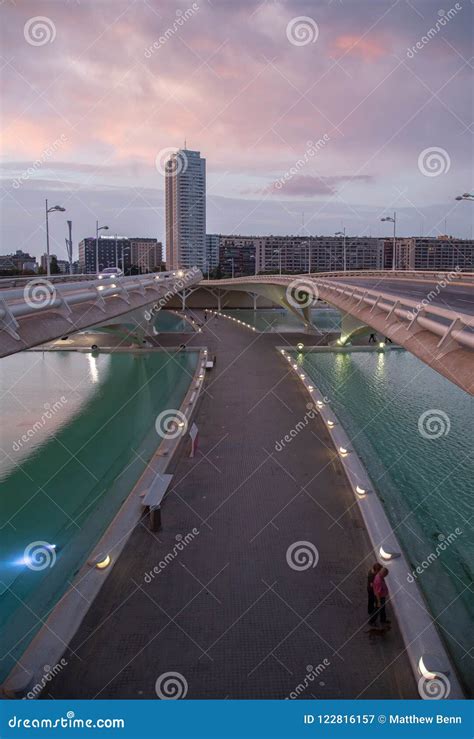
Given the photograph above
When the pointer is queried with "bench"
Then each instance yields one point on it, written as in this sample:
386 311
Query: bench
153 498
209 364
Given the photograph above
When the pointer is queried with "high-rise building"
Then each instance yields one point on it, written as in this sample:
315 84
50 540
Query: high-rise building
185 192
132 255
212 251
146 254
432 254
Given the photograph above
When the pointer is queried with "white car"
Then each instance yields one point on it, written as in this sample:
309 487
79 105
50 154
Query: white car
110 273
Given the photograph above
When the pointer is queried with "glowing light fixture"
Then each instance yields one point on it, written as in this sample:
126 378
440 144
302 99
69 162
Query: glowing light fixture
319 403
100 562
343 451
388 555
381 345
302 376
430 666
300 347
330 424
310 388
360 491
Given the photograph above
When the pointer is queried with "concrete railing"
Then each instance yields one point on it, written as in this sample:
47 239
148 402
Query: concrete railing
453 276
446 323
39 296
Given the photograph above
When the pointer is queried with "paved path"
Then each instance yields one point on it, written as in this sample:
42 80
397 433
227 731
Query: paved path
228 612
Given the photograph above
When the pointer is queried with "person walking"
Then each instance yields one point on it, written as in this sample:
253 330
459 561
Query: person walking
381 593
205 316
371 599
372 339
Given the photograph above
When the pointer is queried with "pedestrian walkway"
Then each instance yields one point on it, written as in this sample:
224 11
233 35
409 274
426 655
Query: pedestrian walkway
230 613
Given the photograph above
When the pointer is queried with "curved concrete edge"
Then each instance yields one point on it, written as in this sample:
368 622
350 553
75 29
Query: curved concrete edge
417 627
54 637
236 320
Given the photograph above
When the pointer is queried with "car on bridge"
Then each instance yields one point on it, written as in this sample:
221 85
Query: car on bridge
110 273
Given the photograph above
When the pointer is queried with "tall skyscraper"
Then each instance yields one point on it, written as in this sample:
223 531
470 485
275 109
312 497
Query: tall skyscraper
185 191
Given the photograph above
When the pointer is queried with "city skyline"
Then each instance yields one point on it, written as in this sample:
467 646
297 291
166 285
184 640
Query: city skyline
343 144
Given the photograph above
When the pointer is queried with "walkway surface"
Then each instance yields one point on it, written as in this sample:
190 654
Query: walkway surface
228 612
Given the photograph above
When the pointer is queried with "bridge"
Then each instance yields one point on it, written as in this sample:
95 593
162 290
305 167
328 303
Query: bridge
431 314
38 309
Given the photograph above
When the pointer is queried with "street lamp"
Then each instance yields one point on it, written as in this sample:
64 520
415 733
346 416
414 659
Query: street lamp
465 196
50 210
394 221
343 234
232 260
97 229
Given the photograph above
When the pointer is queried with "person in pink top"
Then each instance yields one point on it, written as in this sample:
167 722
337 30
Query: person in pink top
381 593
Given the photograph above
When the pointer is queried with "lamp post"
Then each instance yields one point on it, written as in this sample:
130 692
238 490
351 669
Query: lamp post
97 229
50 210
69 246
232 261
343 234
394 221
465 196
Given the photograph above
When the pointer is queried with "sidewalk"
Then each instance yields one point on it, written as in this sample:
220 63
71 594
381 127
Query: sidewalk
228 612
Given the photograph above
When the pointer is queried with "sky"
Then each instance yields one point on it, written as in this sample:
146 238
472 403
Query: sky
312 116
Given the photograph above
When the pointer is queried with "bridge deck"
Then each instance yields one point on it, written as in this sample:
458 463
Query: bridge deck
228 612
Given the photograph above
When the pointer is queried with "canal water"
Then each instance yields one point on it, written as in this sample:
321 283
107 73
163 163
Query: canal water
279 320
413 429
166 322
77 431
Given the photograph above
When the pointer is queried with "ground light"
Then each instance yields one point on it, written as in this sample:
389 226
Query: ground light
360 491
300 347
343 451
330 424
430 666
381 345
100 562
388 555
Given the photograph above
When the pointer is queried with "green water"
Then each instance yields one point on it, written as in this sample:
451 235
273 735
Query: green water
279 320
166 321
64 484
426 484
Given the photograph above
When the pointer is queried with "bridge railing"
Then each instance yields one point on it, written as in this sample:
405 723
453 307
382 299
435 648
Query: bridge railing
444 322
39 294
433 276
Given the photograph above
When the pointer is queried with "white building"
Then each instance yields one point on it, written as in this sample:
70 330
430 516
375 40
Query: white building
185 191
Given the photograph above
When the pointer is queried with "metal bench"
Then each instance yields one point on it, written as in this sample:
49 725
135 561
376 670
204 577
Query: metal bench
153 498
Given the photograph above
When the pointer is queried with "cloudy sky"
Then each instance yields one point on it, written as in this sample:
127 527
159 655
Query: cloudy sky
311 115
